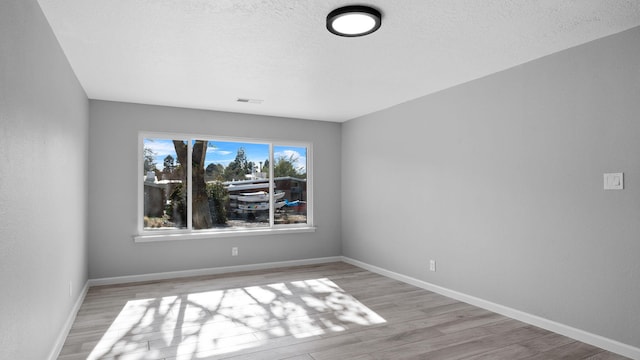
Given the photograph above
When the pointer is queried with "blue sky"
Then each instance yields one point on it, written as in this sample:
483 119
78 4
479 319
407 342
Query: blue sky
221 152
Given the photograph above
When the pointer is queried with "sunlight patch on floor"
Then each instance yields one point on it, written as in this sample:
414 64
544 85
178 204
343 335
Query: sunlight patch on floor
225 321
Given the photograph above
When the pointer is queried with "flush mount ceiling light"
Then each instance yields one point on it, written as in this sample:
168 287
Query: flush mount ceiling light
354 20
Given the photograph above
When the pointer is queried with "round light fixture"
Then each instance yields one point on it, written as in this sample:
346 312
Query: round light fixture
354 20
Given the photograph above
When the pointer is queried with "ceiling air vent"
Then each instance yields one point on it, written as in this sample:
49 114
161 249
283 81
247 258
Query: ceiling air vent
249 101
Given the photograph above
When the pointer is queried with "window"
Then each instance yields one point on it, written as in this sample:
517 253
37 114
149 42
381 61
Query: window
206 185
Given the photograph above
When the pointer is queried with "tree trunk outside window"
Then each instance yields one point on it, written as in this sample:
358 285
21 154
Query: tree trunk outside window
201 215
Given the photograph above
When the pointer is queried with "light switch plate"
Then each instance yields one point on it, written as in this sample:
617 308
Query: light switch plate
614 181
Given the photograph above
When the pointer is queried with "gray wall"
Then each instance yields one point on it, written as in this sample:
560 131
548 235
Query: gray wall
43 183
113 171
501 181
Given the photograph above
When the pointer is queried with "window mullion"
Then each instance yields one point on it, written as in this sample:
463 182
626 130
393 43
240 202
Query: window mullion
272 205
141 183
189 184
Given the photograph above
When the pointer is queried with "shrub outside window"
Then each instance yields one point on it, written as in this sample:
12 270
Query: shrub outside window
193 184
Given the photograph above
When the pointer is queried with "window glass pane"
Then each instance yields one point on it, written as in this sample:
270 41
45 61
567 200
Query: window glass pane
290 176
230 185
164 176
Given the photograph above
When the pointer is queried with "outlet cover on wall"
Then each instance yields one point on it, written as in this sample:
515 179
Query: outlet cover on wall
234 251
432 265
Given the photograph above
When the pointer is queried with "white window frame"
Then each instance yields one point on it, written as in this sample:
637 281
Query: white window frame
144 235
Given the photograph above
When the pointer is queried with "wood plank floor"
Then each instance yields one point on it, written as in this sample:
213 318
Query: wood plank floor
316 312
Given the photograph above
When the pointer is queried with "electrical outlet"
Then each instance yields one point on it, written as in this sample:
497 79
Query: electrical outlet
432 265
234 251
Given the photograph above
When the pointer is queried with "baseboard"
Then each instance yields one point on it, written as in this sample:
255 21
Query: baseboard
577 334
209 271
62 336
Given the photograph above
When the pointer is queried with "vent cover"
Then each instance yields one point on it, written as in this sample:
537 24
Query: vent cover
249 101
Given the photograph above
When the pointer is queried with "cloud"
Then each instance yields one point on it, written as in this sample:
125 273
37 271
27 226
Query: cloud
287 154
300 161
161 148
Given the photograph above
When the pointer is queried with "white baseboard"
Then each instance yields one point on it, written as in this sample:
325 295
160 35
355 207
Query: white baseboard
577 334
209 271
62 336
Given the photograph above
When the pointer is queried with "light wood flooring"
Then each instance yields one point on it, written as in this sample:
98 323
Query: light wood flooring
316 312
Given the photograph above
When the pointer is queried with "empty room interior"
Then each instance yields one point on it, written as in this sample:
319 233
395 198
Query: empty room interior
264 179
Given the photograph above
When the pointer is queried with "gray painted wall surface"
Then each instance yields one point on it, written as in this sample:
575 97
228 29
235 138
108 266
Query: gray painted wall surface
43 183
501 181
113 137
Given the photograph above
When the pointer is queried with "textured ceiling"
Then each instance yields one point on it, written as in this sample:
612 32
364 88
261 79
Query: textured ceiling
206 54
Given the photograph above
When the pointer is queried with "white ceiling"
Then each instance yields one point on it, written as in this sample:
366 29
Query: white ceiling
205 54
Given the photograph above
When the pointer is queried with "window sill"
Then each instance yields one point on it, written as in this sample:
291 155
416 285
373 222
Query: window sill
151 237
